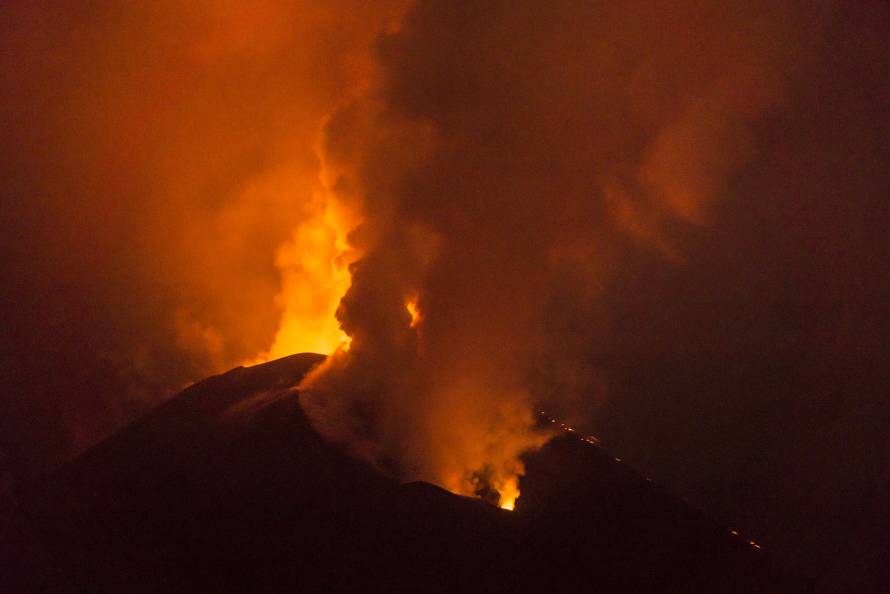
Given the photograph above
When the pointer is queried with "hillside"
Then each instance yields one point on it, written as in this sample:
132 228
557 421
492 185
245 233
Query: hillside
227 488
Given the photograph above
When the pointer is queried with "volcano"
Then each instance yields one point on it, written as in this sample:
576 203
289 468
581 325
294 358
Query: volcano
228 488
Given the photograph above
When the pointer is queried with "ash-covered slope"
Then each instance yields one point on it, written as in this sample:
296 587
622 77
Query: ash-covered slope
227 488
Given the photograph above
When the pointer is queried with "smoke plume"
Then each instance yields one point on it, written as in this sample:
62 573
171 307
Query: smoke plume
161 198
501 152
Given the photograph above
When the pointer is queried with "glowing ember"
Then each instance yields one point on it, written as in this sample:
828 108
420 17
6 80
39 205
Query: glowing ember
411 306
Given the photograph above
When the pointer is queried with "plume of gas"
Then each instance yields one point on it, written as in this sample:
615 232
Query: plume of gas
277 246
419 402
507 145
165 174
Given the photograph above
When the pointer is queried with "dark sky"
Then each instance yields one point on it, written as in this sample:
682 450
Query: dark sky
665 221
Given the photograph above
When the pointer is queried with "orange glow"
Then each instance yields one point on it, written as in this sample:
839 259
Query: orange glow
492 464
509 493
314 270
411 306
506 484
313 281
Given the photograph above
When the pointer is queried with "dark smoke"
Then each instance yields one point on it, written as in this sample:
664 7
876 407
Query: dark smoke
507 159
661 220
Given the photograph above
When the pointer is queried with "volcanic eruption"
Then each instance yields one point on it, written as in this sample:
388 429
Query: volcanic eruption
421 250
469 212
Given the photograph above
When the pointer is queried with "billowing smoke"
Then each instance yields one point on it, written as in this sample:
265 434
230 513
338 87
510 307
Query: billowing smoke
161 186
503 154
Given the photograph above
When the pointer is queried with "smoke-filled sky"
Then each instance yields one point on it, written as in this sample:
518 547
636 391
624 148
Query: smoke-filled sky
664 221
157 158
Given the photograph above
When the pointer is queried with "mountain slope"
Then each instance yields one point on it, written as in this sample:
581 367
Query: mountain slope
227 488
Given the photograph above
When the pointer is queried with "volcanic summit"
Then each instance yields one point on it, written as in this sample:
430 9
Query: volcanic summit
228 488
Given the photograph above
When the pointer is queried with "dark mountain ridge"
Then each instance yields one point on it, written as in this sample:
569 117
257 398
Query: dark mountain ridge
228 488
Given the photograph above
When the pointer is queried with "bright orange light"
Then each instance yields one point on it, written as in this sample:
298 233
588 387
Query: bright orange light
314 269
345 342
411 306
314 280
509 493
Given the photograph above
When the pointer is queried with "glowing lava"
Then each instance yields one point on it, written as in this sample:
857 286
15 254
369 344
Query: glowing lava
314 269
313 281
411 306
509 493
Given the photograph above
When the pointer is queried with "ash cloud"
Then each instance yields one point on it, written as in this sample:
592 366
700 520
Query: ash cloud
661 221
508 160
